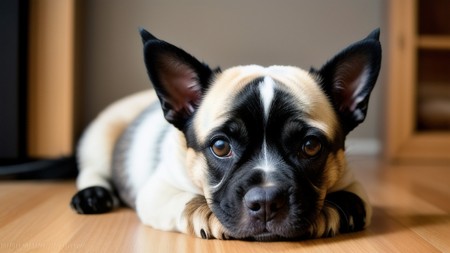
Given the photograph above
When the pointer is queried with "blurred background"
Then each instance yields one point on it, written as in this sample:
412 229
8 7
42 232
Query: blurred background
65 60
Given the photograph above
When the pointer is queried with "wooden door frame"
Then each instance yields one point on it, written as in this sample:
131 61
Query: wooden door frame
51 75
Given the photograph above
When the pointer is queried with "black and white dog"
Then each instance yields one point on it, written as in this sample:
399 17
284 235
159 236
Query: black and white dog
247 153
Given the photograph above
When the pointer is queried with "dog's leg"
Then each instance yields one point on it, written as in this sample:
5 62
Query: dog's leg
344 211
164 207
95 154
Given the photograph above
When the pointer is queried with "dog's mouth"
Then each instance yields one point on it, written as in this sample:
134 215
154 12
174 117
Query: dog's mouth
266 236
270 231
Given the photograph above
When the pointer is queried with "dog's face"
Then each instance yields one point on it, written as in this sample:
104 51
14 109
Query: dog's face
266 147
264 144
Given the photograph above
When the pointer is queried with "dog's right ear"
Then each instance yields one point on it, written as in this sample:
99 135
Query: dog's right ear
179 79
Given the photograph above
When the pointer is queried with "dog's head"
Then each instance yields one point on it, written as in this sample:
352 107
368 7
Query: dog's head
264 144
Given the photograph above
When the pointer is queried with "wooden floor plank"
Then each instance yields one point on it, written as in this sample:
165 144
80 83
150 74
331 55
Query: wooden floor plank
411 214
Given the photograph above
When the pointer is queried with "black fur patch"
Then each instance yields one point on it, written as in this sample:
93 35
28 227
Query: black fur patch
93 200
352 213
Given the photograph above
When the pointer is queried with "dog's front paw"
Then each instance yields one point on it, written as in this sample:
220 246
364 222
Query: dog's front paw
326 223
202 222
343 212
93 200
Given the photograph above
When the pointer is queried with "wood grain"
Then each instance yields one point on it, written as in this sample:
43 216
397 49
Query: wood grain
411 214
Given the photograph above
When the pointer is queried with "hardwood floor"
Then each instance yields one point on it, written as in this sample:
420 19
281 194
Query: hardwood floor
411 214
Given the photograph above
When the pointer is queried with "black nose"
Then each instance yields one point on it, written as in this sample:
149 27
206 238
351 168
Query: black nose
264 203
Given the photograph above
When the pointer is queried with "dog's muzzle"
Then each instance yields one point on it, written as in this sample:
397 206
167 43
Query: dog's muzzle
265 210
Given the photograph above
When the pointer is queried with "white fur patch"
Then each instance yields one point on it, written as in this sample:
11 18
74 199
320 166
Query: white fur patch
266 88
267 91
140 158
97 144
149 153
266 164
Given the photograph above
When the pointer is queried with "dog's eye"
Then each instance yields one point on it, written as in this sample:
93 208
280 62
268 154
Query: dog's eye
311 146
221 148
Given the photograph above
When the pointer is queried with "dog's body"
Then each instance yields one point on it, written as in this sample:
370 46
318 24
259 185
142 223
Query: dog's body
247 153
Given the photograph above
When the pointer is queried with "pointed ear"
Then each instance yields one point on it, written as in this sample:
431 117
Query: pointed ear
349 77
178 78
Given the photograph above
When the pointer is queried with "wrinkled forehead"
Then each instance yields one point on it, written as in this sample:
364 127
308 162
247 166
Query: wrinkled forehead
305 95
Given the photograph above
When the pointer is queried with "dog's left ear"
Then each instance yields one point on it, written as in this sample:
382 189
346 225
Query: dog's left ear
349 77
179 79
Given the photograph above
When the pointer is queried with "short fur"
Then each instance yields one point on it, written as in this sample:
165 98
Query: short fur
248 153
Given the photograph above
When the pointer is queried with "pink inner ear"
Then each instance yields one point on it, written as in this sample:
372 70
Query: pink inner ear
350 78
181 84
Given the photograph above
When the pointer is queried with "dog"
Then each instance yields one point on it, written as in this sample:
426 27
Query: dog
251 152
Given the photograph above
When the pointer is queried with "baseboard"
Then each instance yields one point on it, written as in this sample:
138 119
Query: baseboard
363 146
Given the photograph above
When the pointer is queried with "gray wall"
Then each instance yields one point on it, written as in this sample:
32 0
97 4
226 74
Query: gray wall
221 33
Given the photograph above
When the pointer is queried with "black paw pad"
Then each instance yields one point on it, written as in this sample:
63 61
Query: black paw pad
93 200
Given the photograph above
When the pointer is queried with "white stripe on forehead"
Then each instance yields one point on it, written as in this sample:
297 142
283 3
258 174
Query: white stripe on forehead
266 88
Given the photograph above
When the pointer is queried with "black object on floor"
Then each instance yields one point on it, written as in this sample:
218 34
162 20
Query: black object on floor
60 168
